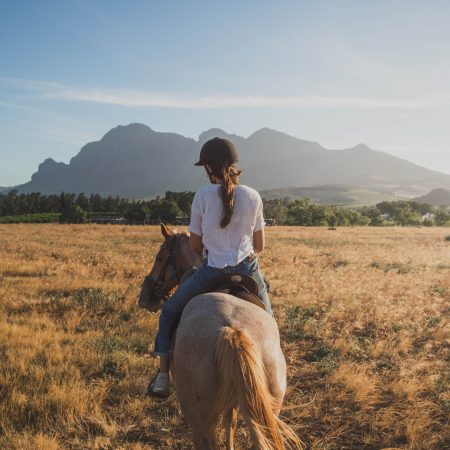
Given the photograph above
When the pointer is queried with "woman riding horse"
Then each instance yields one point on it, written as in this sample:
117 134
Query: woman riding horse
226 230
226 356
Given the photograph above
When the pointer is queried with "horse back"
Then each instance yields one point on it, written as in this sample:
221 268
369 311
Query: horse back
206 314
193 358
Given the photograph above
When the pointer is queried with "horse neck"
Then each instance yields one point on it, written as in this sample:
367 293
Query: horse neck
187 259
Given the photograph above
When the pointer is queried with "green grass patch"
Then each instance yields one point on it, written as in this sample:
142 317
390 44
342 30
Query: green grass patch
401 269
432 321
441 291
325 357
295 318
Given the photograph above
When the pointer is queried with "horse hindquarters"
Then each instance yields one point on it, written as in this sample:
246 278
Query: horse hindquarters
194 378
243 383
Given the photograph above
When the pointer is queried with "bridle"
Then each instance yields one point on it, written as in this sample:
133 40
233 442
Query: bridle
172 246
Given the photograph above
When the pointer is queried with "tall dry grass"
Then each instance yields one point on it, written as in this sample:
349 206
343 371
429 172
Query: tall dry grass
363 315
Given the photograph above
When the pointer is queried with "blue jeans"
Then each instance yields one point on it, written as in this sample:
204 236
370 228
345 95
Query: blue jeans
195 285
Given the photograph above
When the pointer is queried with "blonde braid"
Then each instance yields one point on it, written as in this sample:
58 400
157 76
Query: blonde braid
227 195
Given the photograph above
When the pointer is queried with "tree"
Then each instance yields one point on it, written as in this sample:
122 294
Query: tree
73 214
299 212
162 210
95 202
82 201
66 201
137 212
276 209
442 217
182 199
10 203
406 216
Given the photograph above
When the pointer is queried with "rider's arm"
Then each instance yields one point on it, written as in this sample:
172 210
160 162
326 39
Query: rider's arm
195 227
259 240
196 244
258 232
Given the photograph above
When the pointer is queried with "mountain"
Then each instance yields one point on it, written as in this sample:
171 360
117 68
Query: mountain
335 194
132 161
436 197
136 161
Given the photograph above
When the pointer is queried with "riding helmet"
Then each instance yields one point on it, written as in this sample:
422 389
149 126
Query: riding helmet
218 150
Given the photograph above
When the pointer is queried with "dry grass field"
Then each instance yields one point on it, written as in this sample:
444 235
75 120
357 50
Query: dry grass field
363 315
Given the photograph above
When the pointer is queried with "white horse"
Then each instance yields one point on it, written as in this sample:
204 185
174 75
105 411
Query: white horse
226 359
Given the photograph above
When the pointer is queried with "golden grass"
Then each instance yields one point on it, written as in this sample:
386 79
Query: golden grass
363 314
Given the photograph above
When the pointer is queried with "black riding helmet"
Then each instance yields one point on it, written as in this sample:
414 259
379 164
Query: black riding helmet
218 150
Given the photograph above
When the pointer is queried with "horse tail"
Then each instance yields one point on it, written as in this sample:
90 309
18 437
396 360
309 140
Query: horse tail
243 383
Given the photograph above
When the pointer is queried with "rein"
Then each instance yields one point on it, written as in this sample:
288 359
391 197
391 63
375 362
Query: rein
170 261
172 248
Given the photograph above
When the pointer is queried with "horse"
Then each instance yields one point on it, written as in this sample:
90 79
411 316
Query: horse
226 358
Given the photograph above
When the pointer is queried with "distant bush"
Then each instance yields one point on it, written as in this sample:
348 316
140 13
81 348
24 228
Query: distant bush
447 238
31 218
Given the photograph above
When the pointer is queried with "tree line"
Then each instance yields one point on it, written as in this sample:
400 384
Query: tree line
67 207
305 213
80 208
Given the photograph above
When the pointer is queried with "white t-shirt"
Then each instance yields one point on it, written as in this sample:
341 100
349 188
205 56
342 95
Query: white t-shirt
230 245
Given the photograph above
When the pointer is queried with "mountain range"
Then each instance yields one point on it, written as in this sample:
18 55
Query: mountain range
137 162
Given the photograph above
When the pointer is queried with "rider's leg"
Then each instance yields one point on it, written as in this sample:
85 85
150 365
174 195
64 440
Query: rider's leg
164 363
263 295
170 314
173 307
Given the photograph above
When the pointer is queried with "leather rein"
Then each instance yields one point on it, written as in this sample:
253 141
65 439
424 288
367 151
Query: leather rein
169 261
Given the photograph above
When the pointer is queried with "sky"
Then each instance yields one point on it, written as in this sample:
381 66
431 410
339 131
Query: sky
336 72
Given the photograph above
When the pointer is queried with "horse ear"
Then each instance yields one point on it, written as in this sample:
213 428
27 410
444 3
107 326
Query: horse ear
165 230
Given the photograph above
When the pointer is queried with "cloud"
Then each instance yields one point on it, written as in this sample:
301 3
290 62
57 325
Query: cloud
147 99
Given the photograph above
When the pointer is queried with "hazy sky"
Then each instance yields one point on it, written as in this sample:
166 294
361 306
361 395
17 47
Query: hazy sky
336 72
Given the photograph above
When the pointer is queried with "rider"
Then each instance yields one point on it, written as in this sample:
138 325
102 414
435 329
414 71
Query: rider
227 229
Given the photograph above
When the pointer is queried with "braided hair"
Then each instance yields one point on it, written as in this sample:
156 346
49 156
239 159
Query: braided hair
229 176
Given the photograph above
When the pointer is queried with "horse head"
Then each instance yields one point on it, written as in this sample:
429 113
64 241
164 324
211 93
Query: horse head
171 262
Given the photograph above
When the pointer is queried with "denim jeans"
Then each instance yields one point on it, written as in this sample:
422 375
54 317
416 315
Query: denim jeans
195 285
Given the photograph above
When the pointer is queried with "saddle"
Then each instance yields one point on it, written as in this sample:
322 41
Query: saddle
241 286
